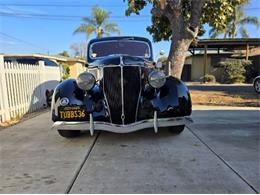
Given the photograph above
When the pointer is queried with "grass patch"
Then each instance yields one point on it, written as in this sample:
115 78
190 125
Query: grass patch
214 98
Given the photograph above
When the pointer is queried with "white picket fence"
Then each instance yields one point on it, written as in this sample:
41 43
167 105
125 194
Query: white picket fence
23 86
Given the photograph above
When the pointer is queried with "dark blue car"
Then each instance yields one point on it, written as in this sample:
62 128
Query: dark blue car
121 92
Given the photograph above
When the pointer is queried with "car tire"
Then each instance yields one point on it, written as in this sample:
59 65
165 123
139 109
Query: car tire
69 133
257 85
176 129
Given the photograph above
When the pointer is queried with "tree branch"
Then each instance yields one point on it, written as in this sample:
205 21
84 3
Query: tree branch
196 11
170 8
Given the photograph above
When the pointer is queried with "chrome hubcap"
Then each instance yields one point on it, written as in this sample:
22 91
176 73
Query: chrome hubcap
257 85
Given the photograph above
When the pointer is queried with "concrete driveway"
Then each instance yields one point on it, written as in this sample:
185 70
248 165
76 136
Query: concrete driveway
219 153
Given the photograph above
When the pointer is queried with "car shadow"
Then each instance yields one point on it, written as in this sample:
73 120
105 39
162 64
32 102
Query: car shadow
42 94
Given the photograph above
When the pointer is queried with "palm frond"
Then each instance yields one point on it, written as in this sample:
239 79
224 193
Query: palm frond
111 28
214 33
100 16
90 30
80 29
211 31
89 21
239 13
250 20
98 23
83 28
243 32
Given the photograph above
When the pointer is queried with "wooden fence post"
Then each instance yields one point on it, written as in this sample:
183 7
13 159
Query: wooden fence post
3 95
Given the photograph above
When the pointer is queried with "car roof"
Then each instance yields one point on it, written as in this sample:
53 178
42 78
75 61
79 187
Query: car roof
136 38
118 38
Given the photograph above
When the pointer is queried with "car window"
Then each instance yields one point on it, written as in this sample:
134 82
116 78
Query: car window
48 62
106 48
27 61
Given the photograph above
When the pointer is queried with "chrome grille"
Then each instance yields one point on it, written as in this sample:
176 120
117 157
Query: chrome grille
122 110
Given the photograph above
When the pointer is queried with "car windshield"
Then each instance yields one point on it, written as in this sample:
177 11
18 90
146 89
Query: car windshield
106 48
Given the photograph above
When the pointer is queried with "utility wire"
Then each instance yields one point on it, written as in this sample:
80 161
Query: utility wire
77 5
69 19
23 41
58 5
67 16
50 18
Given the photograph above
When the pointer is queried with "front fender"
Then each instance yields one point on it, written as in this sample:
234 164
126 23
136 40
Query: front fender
174 97
171 100
92 101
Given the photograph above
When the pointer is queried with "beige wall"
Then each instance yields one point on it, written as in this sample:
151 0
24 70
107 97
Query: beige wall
76 69
197 68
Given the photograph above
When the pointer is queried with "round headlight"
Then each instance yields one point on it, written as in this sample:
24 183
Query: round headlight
86 81
156 79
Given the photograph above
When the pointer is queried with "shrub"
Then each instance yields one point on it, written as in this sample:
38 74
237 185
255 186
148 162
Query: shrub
66 72
209 78
252 71
234 70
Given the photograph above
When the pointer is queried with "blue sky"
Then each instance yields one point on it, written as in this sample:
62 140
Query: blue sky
25 28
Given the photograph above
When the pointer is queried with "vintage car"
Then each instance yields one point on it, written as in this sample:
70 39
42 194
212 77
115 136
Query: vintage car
121 92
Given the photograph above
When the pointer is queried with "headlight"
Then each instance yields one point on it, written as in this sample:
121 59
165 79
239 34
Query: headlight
86 81
156 79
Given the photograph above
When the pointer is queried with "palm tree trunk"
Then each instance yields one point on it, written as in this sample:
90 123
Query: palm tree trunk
225 34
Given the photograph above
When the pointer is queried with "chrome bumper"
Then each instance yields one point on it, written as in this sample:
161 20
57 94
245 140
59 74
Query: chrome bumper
105 126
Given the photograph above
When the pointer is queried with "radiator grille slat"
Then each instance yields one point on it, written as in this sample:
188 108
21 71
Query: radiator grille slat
131 92
113 92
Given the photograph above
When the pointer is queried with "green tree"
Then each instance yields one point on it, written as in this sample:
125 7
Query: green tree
236 23
98 24
181 22
64 53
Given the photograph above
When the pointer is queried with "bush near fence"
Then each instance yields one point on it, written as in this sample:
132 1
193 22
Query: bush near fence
23 87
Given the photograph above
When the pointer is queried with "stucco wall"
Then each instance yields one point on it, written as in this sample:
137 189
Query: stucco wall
197 68
76 69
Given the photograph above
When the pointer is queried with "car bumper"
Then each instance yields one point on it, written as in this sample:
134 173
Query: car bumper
105 126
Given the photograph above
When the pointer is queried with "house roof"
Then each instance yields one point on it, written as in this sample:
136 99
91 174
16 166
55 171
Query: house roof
225 43
51 57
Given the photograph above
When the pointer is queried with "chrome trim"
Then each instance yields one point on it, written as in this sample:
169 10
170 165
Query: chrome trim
111 65
105 126
91 124
122 93
106 96
139 97
155 122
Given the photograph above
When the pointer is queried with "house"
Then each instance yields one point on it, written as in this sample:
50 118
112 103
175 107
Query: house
206 54
76 65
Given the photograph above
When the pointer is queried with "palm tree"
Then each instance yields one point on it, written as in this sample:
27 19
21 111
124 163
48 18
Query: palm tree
98 24
236 23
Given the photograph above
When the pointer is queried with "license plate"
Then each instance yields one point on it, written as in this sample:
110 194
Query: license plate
72 113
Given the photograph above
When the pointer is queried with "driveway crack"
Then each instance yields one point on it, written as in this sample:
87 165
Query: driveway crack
221 159
81 165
